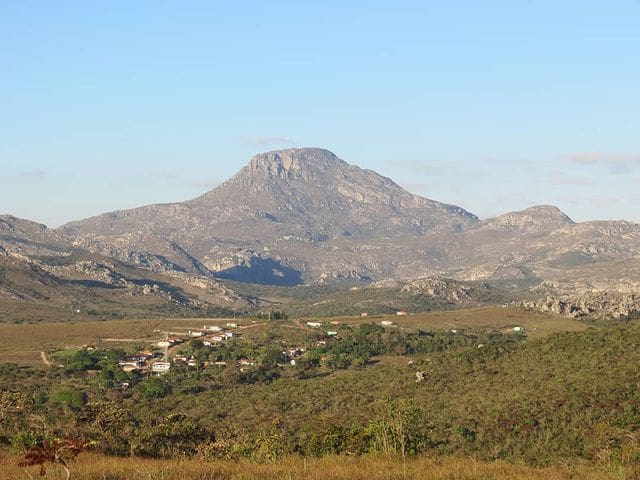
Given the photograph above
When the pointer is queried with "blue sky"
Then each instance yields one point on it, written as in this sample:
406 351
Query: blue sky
492 105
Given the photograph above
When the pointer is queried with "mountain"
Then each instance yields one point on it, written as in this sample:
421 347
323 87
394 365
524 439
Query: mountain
278 220
305 216
30 238
43 274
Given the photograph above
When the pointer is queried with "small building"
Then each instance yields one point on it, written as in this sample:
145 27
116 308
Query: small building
314 324
212 328
164 343
195 333
386 323
229 334
401 313
160 367
217 338
332 333
364 314
232 325
518 329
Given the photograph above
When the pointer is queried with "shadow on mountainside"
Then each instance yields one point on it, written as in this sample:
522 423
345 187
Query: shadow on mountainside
264 271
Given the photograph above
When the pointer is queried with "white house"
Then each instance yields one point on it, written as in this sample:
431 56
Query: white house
314 324
160 367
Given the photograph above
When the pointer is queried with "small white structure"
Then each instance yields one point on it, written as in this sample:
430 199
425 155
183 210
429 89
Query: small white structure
314 324
232 325
217 338
386 323
364 314
518 329
332 333
212 328
164 343
401 313
160 367
195 333
228 334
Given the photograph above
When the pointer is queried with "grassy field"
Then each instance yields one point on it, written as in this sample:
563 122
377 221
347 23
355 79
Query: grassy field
97 467
23 343
535 324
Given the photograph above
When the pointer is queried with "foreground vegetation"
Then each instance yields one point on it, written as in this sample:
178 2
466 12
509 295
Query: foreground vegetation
99 467
402 394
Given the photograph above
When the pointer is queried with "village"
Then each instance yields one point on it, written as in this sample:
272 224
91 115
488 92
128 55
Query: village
159 358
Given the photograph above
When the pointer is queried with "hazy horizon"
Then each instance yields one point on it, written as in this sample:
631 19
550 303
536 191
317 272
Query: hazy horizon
493 107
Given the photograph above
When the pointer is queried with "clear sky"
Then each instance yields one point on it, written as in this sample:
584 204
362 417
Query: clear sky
490 105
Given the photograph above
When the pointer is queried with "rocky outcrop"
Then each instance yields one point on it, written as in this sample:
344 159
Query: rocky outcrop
449 290
539 218
602 305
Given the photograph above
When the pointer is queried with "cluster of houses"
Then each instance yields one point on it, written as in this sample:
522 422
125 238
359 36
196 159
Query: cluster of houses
137 361
214 335
144 362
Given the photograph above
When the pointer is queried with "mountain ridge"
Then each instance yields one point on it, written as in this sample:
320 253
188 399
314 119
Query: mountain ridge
298 216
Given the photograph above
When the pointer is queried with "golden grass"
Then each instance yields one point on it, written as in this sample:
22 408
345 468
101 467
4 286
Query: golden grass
22 343
99 467
535 324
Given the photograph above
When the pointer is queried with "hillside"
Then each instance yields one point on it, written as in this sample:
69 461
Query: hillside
486 392
82 285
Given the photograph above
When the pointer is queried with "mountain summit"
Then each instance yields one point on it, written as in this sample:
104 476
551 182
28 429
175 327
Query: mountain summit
311 193
282 201
304 215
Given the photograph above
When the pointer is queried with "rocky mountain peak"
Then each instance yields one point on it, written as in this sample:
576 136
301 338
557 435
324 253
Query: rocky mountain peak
536 218
295 162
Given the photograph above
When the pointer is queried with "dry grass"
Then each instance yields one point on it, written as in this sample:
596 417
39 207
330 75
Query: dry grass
21 344
536 324
98 467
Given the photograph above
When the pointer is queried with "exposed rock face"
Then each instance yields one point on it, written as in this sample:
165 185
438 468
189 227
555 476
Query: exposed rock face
540 218
443 289
605 305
